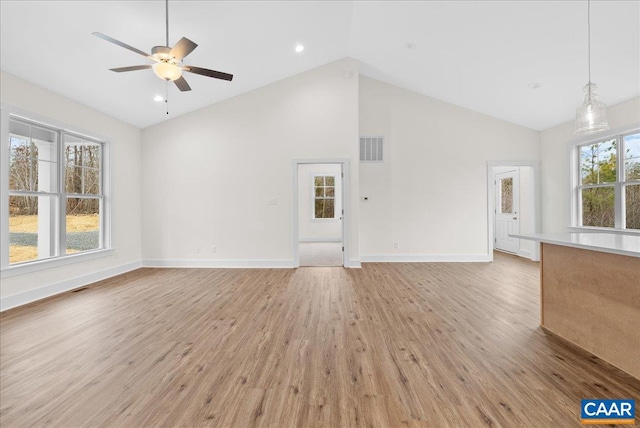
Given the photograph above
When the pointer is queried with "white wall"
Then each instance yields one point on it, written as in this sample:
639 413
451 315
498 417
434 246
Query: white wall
430 194
125 148
310 228
208 175
555 151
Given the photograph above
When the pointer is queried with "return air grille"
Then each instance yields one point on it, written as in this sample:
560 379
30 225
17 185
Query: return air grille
371 149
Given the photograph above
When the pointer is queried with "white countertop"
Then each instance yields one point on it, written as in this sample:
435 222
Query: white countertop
625 245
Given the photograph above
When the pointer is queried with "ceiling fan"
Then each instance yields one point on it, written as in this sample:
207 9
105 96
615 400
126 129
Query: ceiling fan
168 60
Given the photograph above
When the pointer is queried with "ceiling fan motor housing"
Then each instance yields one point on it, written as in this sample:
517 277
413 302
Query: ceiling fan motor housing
162 53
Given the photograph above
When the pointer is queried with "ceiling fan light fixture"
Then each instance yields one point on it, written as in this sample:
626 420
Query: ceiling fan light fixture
167 71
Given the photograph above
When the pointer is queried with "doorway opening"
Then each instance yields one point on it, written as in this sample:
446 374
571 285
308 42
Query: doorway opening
319 212
513 207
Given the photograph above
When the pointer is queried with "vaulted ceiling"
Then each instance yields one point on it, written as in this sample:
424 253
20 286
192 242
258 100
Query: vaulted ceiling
482 55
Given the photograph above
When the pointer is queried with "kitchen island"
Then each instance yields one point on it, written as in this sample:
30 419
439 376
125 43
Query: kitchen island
590 293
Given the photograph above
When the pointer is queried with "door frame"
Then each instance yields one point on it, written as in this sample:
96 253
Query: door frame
346 206
537 224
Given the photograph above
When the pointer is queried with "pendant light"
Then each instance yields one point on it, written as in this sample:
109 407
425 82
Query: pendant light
591 116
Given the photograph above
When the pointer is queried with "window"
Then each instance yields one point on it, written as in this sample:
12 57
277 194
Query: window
55 190
609 189
324 189
506 195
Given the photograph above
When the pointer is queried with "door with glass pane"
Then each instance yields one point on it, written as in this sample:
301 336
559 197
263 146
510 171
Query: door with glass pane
507 203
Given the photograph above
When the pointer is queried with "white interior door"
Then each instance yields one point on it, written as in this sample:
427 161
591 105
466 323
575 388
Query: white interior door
507 217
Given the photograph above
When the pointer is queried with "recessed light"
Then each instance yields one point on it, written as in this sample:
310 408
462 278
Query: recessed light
410 45
158 98
534 85
299 48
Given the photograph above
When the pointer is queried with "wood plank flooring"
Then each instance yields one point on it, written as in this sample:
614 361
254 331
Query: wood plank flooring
420 345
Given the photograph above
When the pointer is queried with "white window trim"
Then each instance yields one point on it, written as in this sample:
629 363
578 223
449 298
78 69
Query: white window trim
7 270
313 199
42 264
576 181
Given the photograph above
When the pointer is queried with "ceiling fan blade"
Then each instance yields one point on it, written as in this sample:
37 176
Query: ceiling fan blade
131 68
183 48
121 44
182 84
208 73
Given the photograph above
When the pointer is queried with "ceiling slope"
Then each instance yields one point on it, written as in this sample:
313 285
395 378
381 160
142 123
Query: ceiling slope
480 55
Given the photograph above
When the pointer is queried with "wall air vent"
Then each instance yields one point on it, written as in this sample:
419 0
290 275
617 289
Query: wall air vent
371 149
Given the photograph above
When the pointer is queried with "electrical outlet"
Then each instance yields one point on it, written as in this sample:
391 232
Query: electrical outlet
214 249
198 250
272 201
396 245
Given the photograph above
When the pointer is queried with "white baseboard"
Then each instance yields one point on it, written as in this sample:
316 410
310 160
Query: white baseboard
422 258
320 240
232 264
526 254
353 263
195 263
60 287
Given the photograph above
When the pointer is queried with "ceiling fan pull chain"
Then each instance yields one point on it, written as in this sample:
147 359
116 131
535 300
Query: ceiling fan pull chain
166 95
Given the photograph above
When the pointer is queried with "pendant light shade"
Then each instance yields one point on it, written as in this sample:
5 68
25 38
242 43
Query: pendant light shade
591 116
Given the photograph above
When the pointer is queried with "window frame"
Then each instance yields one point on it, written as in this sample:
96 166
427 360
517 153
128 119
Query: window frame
8 112
619 185
314 197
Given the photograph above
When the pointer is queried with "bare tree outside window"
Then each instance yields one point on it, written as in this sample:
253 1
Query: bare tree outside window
35 201
506 195
598 164
606 166
324 189
632 178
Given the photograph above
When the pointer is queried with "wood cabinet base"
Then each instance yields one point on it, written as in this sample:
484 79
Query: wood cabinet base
592 299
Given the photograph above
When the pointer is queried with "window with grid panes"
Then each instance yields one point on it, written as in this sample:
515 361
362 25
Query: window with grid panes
55 191
324 190
608 190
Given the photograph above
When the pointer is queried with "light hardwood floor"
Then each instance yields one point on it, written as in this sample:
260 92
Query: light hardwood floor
429 345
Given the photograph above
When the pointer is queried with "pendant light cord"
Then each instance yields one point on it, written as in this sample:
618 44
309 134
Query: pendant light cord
588 35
